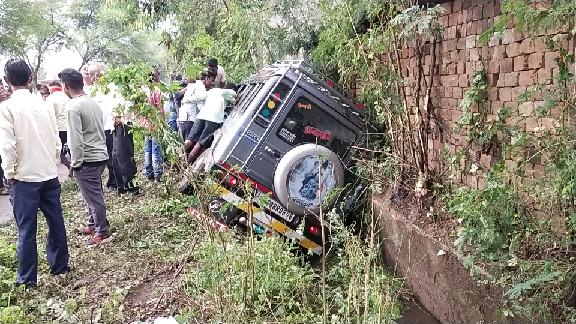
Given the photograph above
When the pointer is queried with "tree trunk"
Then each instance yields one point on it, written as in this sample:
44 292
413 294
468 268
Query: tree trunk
84 61
36 69
34 79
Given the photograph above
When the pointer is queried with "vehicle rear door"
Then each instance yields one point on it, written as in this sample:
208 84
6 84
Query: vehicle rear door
304 119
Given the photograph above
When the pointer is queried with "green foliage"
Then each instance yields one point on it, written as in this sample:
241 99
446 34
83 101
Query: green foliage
354 33
264 280
533 19
62 311
243 35
278 284
358 44
498 234
522 288
533 289
513 227
177 205
13 314
132 81
30 29
360 290
491 219
480 128
97 34
111 311
380 172
8 265
415 22
475 108
563 166
10 311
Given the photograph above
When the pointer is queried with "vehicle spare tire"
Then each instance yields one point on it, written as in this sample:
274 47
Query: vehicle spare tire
298 178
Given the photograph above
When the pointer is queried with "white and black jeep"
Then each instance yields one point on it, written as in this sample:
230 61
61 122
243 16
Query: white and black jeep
291 135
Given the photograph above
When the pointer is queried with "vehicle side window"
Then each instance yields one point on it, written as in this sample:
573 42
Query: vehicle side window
308 123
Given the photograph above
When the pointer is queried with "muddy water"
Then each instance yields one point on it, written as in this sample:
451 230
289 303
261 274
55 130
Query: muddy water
414 313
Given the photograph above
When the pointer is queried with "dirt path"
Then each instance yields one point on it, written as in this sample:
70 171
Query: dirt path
6 208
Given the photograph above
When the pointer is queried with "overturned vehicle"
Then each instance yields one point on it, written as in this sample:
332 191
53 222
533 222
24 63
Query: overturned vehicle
290 139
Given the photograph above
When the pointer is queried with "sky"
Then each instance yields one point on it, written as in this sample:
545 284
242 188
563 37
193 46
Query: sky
54 62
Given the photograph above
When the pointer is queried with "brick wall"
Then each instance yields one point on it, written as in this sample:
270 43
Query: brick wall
513 64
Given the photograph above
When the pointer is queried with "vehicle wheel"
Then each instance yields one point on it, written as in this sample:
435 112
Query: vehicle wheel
352 208
306 177
185 187
352 198
223 212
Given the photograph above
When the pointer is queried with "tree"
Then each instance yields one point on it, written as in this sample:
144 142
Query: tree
243 35
30 29
97 34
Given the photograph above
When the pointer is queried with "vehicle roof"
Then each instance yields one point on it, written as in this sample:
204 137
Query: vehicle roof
315 80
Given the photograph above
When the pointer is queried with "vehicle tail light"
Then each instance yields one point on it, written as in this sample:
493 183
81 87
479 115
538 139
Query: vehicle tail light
244 177
232 181
314 230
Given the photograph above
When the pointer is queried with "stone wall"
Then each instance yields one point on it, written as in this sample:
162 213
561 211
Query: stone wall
432 270
513 64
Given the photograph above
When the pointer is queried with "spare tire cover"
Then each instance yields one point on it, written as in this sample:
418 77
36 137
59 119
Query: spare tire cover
299 182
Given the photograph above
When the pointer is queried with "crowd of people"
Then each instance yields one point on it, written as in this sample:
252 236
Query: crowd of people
70 122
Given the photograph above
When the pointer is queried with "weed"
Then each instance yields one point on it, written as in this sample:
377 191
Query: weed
282 286
13 314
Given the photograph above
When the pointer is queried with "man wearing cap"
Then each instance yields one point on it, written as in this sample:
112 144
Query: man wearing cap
88 152
220 81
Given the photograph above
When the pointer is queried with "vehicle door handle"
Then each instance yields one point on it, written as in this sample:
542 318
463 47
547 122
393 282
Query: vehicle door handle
273 152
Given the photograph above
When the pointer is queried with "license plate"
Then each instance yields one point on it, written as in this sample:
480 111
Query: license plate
275 207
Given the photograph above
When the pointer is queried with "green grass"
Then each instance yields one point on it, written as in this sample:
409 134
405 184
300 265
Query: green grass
147 239
161 262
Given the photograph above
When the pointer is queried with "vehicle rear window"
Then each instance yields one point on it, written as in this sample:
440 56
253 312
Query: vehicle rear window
306 122
274 102
246 94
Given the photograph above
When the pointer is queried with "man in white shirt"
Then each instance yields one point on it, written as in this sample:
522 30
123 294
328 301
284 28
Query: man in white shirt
58 101
193 101
208 121
220 81
29 150
107 104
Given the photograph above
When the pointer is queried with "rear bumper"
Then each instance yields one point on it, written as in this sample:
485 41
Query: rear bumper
262 219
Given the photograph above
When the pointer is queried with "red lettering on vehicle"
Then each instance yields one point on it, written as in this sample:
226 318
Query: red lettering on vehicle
323 135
